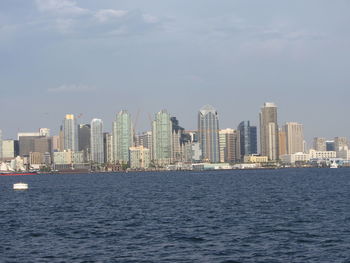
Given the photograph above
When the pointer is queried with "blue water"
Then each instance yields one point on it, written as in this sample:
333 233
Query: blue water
296 215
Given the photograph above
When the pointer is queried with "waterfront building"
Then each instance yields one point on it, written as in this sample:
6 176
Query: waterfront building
28 144
36 158
96 141
282 145
295 158
322 154
269 143
108 147
248 139
294 137
56 143
140 157
70 133
340 143
10 149
84 140
162 138
208 128
330 145
255 159
229 146
122 136
145 140
319 144
68 159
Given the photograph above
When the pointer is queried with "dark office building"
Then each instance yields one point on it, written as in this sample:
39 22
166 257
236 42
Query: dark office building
28 144
84 134
248 139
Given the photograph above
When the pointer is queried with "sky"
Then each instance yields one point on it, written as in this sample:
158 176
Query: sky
96 58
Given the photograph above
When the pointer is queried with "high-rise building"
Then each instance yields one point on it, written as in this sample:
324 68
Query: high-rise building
295 137
96 141
319 144
208 128
282 139
108 147
28 144
269 144
248 139
330 146
340 143
229 146
122 136
10 149
162 138
70 133
84 139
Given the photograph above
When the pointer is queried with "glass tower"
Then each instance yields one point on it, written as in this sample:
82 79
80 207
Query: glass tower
70 133
122 136
96 141
162 138
208 128
248 138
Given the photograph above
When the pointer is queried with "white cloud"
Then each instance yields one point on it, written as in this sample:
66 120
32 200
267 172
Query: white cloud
150 19
104 15
60 7
71 88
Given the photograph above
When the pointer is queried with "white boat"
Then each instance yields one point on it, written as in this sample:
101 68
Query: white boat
333 165
20 186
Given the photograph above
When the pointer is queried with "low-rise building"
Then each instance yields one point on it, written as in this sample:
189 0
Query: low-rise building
255 159
322 154
140 157
295 157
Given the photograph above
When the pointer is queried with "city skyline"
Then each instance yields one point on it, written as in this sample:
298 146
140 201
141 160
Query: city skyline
149 56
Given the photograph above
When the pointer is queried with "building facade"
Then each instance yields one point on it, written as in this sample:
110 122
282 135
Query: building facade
140 157
70 133
269 143
162 139
96 141
122 136
208 128
248 139
294 137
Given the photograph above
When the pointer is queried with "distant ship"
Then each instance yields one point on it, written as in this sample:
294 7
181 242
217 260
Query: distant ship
17 173
6 170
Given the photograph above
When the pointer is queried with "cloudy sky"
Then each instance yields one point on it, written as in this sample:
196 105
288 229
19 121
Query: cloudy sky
98 57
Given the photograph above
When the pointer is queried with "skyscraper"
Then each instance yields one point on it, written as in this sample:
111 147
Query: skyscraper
208 128
162 138
122 136
229 145
294 137
319 144
70 133
248 139
84 138
269 144
96 138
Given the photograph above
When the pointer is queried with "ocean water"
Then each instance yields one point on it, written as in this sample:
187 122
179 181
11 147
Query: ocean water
290 215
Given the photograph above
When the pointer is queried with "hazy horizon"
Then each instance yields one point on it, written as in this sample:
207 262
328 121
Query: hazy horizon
96 58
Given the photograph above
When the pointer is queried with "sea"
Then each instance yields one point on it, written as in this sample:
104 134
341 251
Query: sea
283 215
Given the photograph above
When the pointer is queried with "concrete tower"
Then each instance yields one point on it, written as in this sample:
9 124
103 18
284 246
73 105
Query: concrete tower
269 144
